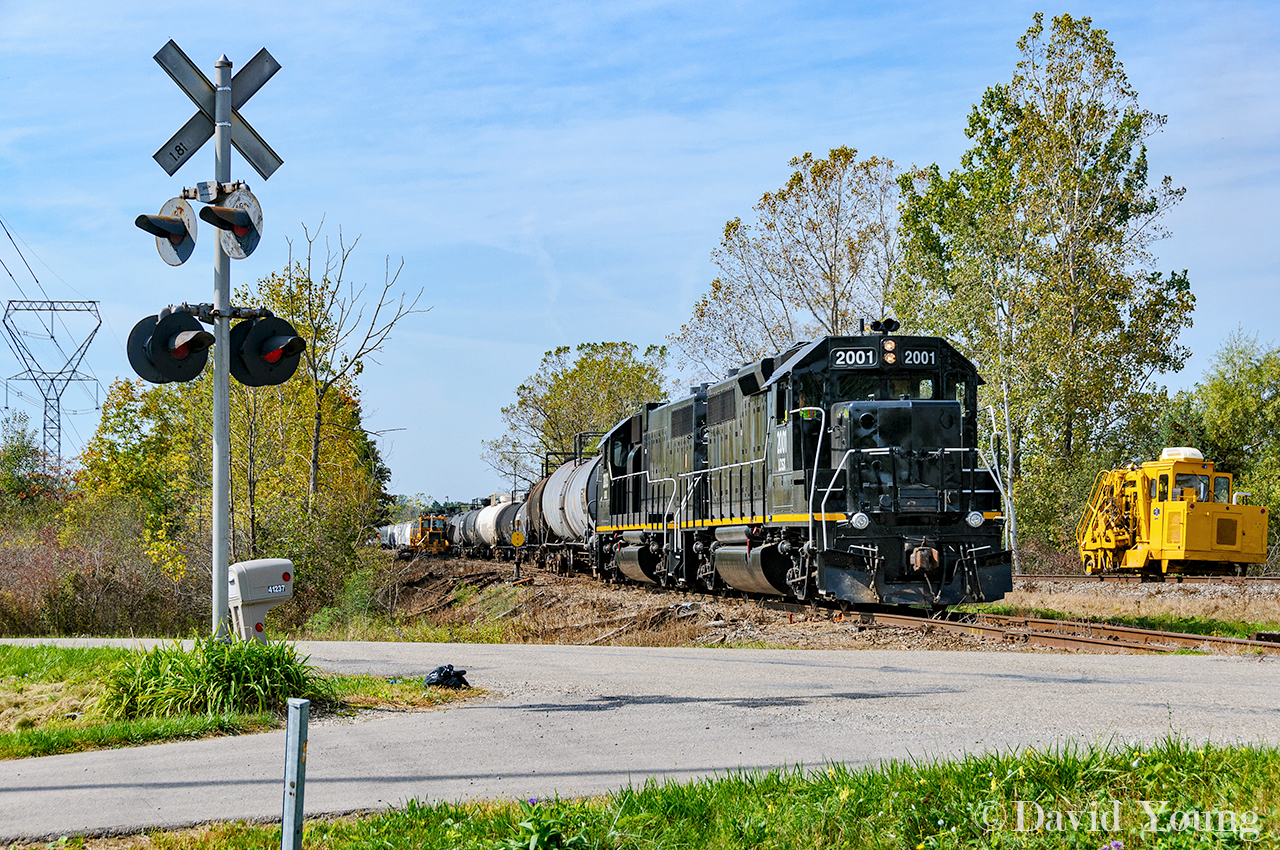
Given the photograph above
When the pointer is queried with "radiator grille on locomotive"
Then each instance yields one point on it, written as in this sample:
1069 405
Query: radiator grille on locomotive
721 407
682 421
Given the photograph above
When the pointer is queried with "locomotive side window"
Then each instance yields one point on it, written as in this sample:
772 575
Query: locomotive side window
1164 488
1221 489
809 392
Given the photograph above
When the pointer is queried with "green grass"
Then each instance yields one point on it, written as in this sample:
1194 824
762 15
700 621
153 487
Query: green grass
963 803
1162 622
369 627
46 663
52 740
60 699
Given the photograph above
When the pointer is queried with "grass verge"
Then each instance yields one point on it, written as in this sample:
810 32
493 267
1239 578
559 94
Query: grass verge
1212 796
63 699
1208 626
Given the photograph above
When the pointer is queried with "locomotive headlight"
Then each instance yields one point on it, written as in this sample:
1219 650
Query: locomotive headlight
860 521
975 519
890 357
890 345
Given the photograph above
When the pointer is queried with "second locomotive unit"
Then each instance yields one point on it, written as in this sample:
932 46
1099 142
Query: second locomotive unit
846 468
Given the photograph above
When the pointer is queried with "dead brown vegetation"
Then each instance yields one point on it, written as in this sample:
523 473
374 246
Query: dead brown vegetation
464 598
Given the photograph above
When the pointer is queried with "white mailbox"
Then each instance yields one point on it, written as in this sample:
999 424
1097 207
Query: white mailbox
255 588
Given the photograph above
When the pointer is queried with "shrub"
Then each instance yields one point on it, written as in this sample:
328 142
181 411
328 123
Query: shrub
212 677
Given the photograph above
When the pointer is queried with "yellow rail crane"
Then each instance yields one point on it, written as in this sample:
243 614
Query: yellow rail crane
1172 515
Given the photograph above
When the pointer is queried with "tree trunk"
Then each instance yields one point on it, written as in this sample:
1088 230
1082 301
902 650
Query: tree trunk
313 485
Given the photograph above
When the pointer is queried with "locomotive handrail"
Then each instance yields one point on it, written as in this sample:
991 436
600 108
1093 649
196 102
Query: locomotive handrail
890 451
827 494
719 468
817 453
648 480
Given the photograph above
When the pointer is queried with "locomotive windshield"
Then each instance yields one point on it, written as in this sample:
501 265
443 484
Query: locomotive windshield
863 386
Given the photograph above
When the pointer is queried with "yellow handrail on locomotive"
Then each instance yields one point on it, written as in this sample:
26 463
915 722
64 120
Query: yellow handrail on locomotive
1176 514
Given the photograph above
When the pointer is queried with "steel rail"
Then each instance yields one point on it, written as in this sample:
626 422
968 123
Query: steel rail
1137 578
1059 634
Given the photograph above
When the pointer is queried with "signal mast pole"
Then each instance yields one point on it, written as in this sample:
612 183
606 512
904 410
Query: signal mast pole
268 348
221 358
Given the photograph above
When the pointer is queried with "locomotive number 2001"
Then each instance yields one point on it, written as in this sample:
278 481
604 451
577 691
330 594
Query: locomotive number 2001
843 358
919 358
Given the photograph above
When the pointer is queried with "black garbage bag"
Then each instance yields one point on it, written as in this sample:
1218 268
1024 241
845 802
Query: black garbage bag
446 677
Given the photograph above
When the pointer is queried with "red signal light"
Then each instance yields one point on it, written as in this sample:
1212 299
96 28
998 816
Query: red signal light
274 357
181 352
257 627
285 577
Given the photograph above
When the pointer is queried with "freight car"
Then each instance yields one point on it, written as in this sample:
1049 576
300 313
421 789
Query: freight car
847 469
490 529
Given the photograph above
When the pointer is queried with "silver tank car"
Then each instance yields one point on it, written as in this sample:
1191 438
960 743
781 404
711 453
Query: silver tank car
569 498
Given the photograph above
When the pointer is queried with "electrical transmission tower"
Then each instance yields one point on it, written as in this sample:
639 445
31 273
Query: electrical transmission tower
51 382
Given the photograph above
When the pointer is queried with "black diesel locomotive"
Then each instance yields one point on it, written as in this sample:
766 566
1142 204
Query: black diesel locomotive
845 469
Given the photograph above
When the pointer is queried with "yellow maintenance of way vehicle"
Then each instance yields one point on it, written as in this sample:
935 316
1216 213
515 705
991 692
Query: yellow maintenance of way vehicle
430 537
1172 515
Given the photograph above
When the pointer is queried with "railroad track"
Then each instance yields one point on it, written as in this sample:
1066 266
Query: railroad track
1062 634
1128 578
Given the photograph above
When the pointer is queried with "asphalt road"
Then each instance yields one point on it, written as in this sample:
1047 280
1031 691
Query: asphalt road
574 720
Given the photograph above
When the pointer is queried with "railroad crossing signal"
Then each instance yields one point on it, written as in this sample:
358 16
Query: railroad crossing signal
265 352
239 218
165 352
199 129
174 229
173 348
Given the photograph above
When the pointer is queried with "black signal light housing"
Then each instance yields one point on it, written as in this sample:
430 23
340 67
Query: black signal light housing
265 352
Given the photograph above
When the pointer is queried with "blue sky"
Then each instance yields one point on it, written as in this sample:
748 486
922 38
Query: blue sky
558 173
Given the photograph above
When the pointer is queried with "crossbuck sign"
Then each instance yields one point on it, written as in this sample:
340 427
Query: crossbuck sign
199 129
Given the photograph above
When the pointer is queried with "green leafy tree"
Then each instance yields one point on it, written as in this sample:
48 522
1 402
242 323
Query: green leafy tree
342 325
144 451
20 477
1035 255
590 388
1233 416
821 253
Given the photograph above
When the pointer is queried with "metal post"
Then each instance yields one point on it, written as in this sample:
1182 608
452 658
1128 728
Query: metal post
221 358
295 774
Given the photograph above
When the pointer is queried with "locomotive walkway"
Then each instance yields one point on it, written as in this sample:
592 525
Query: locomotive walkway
578 720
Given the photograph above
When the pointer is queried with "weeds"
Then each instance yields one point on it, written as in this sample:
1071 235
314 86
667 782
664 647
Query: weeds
214 677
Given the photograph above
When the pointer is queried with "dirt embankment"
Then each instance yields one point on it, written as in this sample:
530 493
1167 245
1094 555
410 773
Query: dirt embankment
542 607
